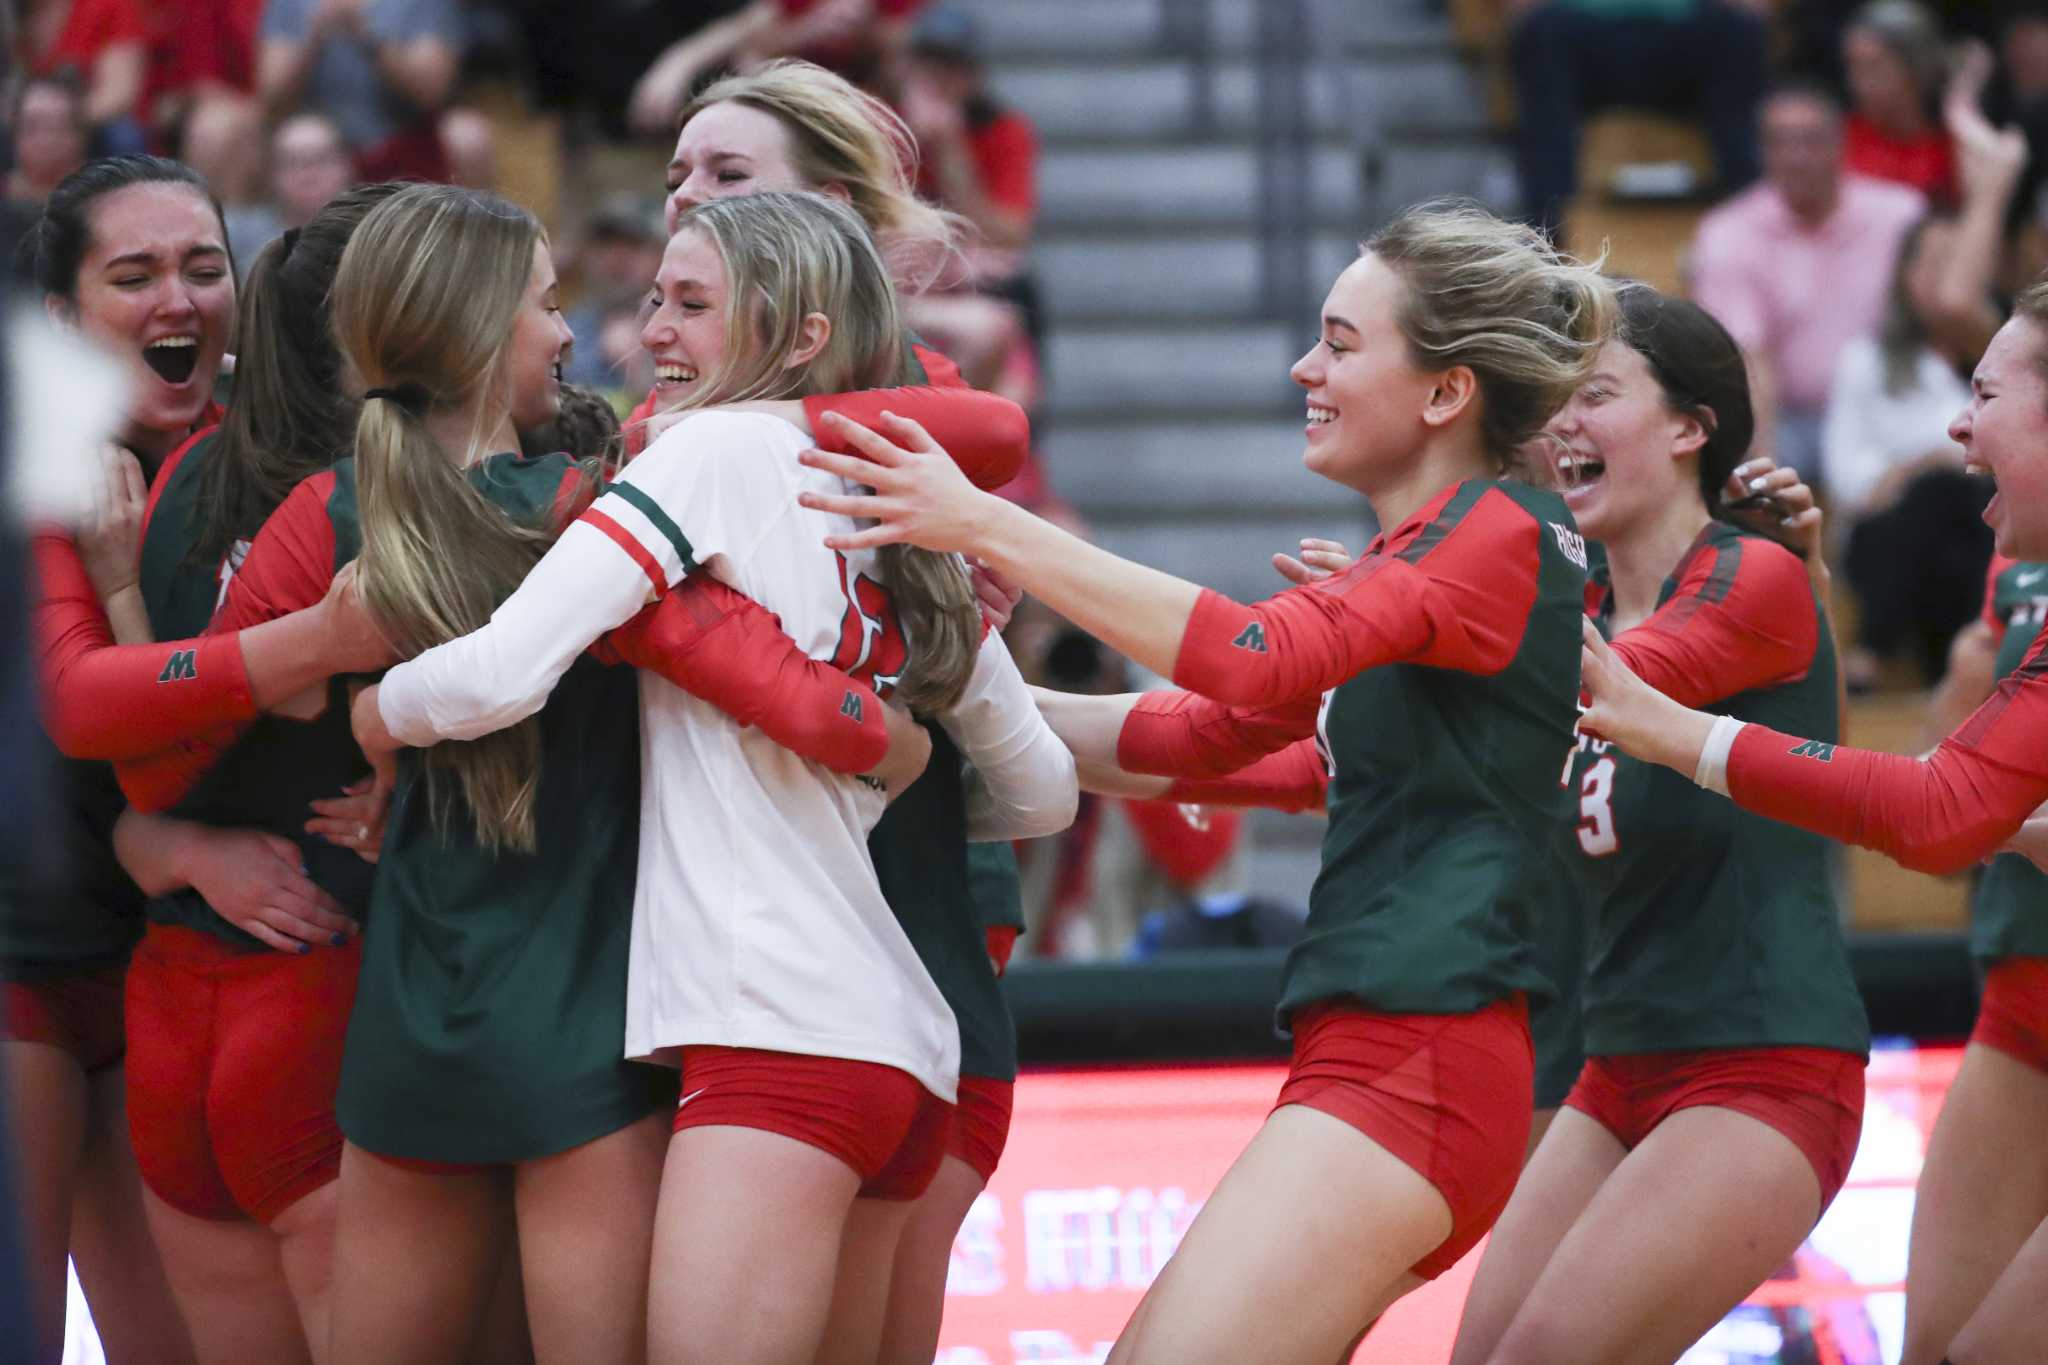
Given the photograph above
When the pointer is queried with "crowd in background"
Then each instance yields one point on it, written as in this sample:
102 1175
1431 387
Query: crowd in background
1879 172
1879 169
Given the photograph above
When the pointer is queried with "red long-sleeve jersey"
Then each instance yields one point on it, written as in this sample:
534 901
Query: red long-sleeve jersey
1445 592
136 703
108 701
1741 616
704 637
1937 815
1452 593
988 437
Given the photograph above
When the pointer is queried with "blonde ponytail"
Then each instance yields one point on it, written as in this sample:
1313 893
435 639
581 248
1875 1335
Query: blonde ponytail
423 305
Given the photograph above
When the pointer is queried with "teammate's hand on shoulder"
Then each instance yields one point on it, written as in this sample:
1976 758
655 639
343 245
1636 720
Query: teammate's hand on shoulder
255 881
997 596
1774 502
2030 840
1320 559
910 749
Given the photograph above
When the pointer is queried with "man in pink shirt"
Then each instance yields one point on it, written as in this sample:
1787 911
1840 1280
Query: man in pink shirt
1799 265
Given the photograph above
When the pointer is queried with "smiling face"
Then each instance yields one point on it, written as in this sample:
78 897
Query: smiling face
686 332
1365 393
727 149
540 341
2001 435
154 287
1625 456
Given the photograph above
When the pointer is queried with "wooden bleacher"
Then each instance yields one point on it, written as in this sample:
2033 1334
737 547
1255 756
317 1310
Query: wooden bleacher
1643 240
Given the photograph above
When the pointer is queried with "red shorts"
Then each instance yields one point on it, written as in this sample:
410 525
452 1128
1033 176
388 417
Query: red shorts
2013 1016
79 1012
981 1123
1446 1093
1813 1095
233 1060
875 1118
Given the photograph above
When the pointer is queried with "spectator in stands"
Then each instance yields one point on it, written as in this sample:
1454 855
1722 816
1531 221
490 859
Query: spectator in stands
385 72
1569 57
103 44
50 135
856 38
1897 69
1799 265
620 254
201 91
309 165
976 158
1917 545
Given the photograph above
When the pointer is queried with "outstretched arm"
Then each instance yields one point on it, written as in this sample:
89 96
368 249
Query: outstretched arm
1940 814
1453 590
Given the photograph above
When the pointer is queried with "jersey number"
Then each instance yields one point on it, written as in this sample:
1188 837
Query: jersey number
871 645
1596 810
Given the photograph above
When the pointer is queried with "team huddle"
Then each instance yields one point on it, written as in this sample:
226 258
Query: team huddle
536 891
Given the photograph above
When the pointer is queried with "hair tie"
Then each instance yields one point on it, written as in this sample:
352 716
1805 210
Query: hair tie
408 396
290 239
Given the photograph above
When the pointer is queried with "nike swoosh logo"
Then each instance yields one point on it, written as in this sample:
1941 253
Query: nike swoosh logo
2028 579
691 1096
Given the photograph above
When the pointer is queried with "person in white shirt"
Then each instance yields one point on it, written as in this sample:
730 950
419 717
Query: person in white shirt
1916 547
819 1059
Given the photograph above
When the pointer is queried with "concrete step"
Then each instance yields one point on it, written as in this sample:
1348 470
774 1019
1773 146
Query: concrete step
1127 371
1410 170
1370 96
1012 29
1181 469
1095 276
1213 184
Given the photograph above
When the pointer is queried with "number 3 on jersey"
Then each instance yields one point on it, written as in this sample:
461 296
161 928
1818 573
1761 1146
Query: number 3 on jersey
871 644
1596 810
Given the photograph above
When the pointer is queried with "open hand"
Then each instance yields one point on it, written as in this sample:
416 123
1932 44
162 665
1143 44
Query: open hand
1320 559
256 882
920 496
355 819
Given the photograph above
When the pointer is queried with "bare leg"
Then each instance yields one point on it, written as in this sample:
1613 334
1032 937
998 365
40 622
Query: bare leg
1539 1124
118 1265
48 1104
1690 1222
1307 1239
917 1286
2007 1328
746 1247
586 1277
305 1247
230 1285
1559 1182
416 1260
1983 1191
860 1288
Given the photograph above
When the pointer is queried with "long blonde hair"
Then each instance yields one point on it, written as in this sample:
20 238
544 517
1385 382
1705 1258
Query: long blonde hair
839 134
790 255
423 308
1494 296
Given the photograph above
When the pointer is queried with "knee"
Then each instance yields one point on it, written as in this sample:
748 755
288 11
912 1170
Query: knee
471 147
1538 1336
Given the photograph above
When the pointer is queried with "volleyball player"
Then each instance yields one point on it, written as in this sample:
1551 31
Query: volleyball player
801 1094
1436 674
1723 1090
1939 814
131 252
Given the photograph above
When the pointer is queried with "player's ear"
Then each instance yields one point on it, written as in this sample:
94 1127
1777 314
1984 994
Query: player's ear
812 334
1454 391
